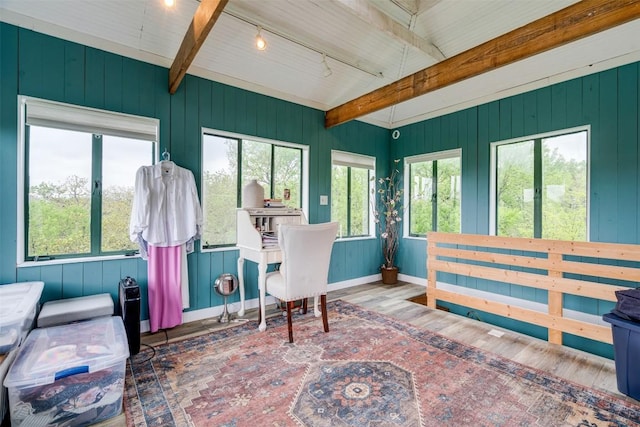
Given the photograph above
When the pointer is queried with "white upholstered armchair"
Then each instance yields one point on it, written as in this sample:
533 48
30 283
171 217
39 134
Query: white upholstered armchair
306 253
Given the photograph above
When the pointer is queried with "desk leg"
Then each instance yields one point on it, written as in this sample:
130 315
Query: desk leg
241 284
316 311
262 278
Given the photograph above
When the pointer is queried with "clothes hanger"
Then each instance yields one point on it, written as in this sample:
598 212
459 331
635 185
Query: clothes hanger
166 164
166 157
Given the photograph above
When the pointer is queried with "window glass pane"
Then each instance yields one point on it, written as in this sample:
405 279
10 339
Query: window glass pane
449 195
421 193
515 190
220 190
78 182
118 179
256 164
287 175
339 198
59 192
359 202
274 167
350 206
564 183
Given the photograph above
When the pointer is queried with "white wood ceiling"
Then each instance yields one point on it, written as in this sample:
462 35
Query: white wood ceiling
368 44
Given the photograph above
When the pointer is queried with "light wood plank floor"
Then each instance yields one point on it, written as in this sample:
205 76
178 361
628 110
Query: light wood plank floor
574 365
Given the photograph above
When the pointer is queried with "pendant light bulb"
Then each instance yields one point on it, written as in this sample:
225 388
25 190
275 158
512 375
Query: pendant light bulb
261 44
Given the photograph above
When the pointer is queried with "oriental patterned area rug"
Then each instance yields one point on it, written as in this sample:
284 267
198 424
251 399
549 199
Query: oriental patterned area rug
369 370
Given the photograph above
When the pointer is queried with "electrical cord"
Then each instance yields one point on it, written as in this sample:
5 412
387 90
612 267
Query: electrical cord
153 354
153 349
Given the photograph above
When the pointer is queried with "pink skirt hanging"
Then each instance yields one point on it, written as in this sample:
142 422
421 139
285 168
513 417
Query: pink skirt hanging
164 287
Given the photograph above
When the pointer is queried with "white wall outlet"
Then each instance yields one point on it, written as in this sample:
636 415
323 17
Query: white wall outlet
324 200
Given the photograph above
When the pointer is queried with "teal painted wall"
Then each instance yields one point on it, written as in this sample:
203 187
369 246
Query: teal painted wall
609 102
36 65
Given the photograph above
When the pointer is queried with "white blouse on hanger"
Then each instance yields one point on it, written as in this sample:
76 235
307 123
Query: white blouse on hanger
166 210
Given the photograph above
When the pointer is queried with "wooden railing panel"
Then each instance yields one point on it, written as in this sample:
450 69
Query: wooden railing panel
555 298
618 251
552 263
431 276
532 280
545 267
572 326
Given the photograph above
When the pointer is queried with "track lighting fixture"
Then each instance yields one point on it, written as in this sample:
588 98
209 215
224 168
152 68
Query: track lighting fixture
261 44
327 70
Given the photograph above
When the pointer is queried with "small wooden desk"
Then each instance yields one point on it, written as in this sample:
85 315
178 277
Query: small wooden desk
263 257
252 224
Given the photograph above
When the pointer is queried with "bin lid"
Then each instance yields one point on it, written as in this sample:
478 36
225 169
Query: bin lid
616 320
17 301
53 353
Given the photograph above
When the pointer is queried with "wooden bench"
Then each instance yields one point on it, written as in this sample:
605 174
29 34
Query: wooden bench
586 269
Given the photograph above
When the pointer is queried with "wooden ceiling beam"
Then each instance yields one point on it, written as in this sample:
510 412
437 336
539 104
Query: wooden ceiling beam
409 6
377 19
203 20
579 20
425 5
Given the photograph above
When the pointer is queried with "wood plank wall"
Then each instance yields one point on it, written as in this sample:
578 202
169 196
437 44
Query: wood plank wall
36 65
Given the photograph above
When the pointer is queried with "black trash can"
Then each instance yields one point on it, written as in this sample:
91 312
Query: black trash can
626 352
129 309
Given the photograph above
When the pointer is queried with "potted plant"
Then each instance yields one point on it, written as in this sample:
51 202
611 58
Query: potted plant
387 210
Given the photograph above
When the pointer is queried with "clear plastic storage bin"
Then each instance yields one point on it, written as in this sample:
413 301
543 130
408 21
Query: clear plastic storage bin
71 375
18 306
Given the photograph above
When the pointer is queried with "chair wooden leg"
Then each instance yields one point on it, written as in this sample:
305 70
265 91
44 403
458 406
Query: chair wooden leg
323 307
304 306
289 306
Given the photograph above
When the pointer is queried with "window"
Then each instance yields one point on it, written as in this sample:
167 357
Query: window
78 179
539 186
434 190
351 183
280 167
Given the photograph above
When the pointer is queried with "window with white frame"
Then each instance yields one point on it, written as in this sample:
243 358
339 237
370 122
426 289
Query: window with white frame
351 183
229 162
76 179
433 187
539 186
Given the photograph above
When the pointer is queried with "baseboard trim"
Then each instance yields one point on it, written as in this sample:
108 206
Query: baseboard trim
233 307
